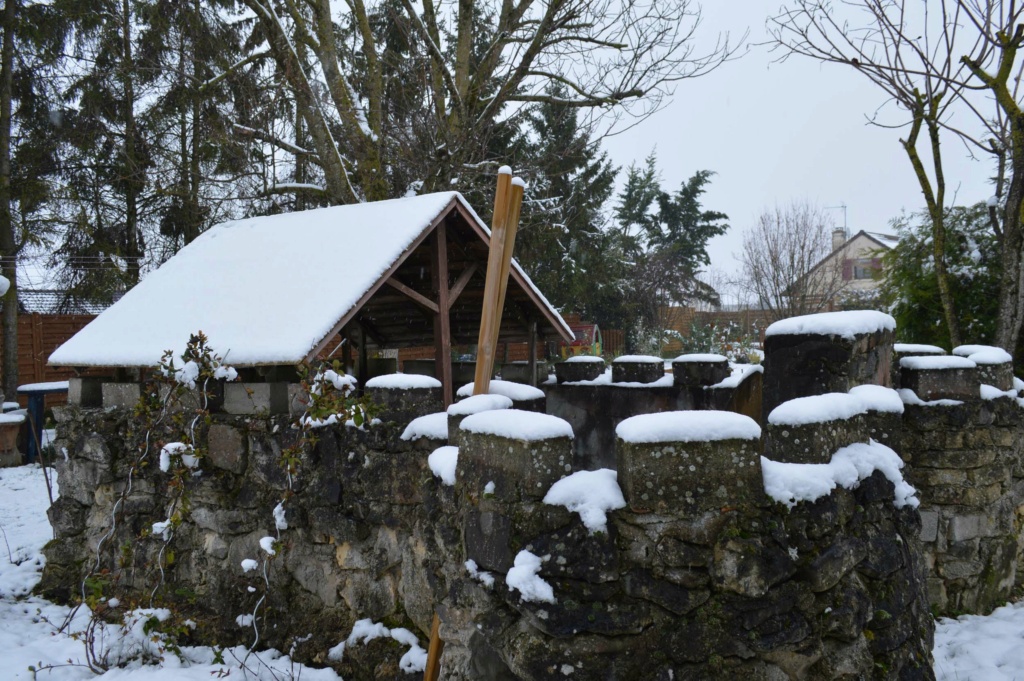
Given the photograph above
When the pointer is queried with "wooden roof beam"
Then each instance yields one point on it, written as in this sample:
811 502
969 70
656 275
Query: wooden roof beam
460 283
415 296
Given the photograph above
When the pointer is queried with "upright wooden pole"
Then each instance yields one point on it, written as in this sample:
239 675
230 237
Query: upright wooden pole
531 348
484 347
515 204
364 363
442 320
490 322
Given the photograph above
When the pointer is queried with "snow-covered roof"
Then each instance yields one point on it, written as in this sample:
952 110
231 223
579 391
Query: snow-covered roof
887 240
272 289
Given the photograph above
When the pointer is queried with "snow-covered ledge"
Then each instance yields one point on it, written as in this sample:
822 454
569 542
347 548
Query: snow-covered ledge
512 454
694 460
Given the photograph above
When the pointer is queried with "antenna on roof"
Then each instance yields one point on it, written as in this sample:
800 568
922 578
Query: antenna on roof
846 229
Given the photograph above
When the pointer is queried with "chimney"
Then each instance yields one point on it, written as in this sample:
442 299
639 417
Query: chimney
838 238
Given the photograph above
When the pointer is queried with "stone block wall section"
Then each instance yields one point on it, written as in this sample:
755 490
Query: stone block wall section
965 460
962 444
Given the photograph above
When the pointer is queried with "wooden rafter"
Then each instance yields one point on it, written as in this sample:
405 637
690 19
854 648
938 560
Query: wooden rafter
415 296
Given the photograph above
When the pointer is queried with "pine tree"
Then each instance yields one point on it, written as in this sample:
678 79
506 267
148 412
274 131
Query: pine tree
663 238
33 38
563 224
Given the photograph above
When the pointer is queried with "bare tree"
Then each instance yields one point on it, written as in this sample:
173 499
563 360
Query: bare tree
784 264
476 63
946 65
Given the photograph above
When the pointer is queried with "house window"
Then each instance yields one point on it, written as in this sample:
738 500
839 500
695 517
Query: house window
864 268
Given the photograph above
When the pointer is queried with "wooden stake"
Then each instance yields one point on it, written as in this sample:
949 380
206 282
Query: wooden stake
490 322
484 347
515 204
433 670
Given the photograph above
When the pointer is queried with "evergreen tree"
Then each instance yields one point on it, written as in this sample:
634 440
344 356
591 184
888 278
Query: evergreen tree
32 41
563 224
663 241
910 289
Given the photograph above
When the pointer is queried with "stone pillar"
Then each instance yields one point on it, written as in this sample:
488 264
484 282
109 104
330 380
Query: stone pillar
995 365
699 370
521 453
811 429
828 352
688 459
579 368
637 369
940 378
404 397
901 350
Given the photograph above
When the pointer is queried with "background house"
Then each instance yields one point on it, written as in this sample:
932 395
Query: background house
853 270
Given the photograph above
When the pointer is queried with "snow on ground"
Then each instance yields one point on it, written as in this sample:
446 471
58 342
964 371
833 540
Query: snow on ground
970 647
28 625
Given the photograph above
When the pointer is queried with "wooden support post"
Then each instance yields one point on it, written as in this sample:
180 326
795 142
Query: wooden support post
488 317
490 322
346 353
434 649
531 348
364 364
442 319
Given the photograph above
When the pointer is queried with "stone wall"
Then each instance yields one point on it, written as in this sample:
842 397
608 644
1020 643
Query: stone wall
744 586
965 461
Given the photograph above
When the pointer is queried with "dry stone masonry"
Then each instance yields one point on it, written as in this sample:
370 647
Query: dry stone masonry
649 528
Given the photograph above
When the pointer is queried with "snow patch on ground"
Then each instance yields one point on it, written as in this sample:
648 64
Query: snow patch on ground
975 647
790 483
591 494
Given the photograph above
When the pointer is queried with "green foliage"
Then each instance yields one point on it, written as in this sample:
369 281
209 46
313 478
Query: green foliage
660 248
562 240
910 290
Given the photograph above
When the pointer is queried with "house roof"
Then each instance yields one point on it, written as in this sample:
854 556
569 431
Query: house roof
885 240
276 289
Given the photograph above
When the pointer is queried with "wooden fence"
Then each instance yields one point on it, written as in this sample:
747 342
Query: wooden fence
38 336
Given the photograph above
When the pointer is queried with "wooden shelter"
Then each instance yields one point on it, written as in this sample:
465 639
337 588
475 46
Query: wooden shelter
283 289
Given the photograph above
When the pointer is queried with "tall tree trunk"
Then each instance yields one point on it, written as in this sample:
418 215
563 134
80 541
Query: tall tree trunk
8 246
132 245
195 216
1011 284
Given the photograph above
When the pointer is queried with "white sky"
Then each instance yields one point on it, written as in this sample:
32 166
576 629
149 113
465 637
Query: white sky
777 132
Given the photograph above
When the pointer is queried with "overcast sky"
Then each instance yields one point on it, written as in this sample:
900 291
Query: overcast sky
777 132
